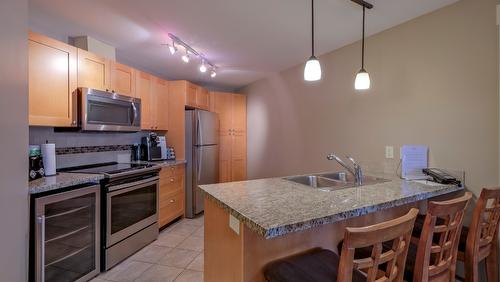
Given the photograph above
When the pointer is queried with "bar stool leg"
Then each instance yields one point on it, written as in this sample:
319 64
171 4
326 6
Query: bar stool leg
492 262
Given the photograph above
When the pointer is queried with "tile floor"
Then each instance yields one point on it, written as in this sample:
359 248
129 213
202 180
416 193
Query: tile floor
177 255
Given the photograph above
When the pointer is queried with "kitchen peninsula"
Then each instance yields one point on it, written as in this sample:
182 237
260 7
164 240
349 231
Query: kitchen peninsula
251 223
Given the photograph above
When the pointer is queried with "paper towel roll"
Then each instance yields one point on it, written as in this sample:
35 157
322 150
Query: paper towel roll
49 158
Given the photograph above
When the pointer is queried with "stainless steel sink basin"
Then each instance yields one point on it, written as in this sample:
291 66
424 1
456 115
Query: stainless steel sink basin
333 180
314 181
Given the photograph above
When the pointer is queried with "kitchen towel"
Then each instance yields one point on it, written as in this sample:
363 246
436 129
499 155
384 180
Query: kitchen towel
49 158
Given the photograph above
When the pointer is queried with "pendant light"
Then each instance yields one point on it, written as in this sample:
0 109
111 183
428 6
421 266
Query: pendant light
312 70
362 81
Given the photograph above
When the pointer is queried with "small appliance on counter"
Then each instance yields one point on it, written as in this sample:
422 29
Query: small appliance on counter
154 148
151 147
35 163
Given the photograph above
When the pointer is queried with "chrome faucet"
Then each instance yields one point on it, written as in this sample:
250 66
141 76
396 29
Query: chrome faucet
355 170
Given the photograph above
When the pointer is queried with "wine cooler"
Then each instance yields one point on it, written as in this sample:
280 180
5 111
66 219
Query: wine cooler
67 235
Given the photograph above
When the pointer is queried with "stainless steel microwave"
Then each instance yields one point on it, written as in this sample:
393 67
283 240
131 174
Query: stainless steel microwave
106 111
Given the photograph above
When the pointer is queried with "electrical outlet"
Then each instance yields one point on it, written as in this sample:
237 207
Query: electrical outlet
389 152
234 224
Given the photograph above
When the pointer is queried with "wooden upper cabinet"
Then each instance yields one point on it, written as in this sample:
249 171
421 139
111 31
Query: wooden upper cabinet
203 99
196 96
93 71
122 79
176 115
52 75
191 90
160 106
144 83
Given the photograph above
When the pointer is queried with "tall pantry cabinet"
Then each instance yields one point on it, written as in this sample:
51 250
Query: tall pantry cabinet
233 135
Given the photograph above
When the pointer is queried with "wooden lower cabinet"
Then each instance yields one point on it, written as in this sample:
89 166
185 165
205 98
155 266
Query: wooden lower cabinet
171 198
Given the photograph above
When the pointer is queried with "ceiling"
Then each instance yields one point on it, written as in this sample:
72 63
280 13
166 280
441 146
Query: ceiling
246 39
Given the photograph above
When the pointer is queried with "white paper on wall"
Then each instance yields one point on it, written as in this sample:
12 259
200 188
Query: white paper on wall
414 159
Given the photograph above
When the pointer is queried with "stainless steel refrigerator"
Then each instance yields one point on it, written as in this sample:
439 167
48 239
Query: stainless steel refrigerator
202 155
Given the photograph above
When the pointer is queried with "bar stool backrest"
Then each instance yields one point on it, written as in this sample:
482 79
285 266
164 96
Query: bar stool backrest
438 245
484 225
397 230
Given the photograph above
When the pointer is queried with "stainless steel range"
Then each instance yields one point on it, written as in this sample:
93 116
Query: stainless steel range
130 208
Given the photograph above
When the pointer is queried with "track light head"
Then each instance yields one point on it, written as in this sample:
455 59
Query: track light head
213 74
185 58
172 49
203 67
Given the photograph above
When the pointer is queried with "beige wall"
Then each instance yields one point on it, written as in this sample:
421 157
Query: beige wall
434 82
13 140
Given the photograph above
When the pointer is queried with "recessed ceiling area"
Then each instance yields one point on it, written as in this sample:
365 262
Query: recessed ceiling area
246 39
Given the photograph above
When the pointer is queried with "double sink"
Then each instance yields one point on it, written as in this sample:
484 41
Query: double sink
333 180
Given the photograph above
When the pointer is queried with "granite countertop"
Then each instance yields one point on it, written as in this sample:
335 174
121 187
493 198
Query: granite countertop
273 207
62 180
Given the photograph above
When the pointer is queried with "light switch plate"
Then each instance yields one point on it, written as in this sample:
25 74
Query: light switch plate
389 152
234 224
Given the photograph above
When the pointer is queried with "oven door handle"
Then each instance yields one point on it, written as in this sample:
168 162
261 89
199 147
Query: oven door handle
135 183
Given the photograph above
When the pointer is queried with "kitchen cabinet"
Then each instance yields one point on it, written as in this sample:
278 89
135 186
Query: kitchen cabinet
144 82
171 195
94 71
232 135
52 72
159 107
203 99
122 79
176 135
153 92
195 96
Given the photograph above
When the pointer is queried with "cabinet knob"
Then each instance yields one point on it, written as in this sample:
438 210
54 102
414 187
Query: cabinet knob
74 122
107 90
171 180
112 91
172 201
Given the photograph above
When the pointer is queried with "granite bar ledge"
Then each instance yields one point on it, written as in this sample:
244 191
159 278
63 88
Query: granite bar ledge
274 207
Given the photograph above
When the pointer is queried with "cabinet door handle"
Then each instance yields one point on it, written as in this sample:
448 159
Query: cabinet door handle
41 221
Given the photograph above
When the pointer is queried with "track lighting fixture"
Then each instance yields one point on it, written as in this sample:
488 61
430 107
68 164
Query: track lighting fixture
362 81
312 70
205 64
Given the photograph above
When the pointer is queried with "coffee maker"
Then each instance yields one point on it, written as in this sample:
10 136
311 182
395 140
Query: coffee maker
151 147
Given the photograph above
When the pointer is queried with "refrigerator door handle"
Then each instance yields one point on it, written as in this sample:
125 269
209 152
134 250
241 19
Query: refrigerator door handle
199 128
41 221
200 161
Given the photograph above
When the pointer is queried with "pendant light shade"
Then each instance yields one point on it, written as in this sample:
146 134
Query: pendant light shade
362 81
312 70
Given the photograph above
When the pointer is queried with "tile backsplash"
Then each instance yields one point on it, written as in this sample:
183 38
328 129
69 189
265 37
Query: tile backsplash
80 148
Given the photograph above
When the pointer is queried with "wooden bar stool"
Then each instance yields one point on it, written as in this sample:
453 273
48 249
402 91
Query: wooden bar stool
324 265
436 254
480 240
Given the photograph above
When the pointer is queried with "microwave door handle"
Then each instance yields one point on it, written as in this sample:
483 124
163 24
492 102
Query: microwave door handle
134 114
